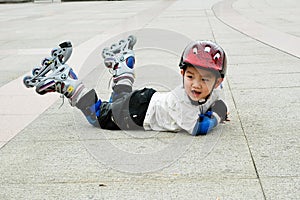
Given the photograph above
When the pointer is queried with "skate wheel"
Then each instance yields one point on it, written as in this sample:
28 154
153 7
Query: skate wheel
45 61
27 81
113 46
132 41
109 62
55 52
121 42
105 52
35 71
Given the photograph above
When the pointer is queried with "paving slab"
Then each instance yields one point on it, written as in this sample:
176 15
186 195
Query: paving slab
281 188
136 189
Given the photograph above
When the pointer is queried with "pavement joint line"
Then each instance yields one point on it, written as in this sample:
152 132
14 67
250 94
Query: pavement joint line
278 40
245 136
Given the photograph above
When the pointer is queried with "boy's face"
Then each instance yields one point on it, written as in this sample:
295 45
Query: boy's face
198 83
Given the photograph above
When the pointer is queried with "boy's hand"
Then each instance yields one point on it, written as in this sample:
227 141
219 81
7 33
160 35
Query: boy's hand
206 122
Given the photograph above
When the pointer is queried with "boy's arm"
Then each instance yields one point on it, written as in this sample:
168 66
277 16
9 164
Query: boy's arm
207 121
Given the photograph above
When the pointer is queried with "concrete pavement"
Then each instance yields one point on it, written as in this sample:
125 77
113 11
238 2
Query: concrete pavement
52 153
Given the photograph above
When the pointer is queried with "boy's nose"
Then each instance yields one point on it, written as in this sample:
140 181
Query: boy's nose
197 84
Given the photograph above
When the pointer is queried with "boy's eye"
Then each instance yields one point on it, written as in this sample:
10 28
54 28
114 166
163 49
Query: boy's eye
189 76
205 79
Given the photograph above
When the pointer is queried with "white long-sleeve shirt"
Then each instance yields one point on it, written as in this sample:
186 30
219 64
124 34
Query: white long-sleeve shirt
174 111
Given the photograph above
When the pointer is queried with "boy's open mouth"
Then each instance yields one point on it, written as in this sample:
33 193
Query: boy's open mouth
196 93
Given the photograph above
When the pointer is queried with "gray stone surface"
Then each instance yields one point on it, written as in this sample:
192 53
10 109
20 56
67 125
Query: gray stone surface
60 156
281 188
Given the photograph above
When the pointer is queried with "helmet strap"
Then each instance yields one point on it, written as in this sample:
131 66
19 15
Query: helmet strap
201 102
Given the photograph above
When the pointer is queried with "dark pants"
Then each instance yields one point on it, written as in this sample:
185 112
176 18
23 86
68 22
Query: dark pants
127 110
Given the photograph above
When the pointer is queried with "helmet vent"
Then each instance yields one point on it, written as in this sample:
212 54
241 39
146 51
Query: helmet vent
207 49
217 56
195 50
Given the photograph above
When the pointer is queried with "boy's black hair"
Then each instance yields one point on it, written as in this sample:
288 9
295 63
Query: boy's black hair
217 74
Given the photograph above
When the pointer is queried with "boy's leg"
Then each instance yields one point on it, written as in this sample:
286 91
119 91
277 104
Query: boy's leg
120 60
129 111
55 76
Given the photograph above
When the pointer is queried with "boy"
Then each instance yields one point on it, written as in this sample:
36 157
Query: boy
194 106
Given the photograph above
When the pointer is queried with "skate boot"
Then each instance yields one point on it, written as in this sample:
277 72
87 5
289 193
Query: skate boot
119 58
55 76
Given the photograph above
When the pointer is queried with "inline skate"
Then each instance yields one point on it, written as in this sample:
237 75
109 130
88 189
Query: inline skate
54 75
119 58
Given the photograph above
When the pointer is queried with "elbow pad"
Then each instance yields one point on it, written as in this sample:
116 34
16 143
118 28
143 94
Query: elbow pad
220 108
205 123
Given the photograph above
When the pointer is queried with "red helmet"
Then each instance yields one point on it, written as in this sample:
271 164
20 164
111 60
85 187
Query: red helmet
204 54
